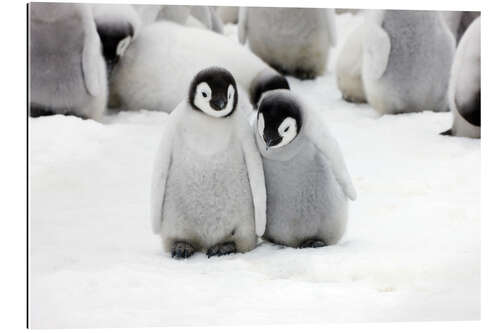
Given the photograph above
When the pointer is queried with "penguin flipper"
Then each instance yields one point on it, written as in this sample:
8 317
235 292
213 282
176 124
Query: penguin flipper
377 46
93 63
242 24
161 169
253 161
327 145
332 30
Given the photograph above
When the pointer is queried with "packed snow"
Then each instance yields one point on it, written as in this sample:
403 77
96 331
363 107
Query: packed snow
411 251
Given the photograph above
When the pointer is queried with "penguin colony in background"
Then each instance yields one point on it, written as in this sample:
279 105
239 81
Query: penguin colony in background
242 155
294 41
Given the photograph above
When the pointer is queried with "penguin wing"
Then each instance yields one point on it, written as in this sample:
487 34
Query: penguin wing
377 46
327 145
255 170
93 63
161 169
242 24
330 23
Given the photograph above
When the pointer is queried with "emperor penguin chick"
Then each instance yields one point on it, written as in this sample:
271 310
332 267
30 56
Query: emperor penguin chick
208 189
407 58
294 41
67 69
465 84
307 182
117 25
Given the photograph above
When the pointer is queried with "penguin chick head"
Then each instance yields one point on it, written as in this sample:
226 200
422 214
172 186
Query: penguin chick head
213 91
279 119
115 38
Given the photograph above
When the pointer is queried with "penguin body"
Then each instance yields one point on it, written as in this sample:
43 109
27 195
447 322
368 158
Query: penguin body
307 182
465 84
208 185
157 68
407 58
348 68
294 41
67 69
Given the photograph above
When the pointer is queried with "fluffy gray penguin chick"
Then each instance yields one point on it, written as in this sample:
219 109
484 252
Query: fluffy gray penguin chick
307 182
67 69
208 189
294 41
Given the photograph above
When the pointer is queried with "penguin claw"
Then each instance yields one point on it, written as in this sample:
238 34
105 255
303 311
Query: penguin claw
221 249
314 243
182 250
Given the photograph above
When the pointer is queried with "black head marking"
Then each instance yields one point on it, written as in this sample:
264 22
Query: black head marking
219 80
275 109
111 35
265 83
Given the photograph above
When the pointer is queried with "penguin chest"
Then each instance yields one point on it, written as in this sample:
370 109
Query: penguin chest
301 196
208 195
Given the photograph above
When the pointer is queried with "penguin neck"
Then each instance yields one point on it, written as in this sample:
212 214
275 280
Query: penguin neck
206 134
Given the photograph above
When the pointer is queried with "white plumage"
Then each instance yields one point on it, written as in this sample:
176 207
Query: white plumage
156 70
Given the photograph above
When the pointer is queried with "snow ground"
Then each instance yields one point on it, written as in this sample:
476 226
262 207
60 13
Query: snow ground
411 252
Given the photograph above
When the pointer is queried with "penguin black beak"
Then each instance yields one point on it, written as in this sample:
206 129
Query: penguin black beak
218 103
270 142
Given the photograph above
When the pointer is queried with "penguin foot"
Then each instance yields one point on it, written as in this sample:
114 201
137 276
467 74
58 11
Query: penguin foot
221 249
312 243
182 250
448 132
304 74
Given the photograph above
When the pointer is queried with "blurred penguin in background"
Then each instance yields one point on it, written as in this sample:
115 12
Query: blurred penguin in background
465 84
348 67
204 17
160 63
117 25
407 57
458 22
228 14
67 68
294 41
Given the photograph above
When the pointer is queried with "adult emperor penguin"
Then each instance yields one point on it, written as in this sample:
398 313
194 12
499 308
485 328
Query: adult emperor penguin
407 58
348 67
208 189
67 69
117 25
160 62
465 84
307 182
294 41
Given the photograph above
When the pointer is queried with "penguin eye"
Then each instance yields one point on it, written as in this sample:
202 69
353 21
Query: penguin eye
204 94
287 128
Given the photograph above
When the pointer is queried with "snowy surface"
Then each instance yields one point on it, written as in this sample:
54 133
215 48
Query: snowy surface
411 252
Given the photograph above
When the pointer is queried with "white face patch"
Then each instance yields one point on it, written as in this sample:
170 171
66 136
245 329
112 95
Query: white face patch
287 130
260 125
122 46
204 95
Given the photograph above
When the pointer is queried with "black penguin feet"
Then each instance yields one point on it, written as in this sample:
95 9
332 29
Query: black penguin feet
221 249
182 250
447 132
312 243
